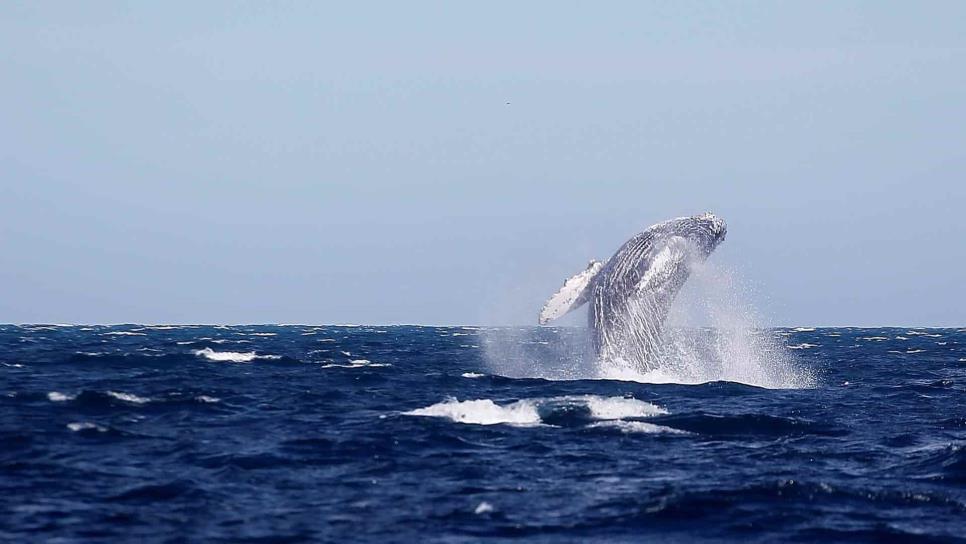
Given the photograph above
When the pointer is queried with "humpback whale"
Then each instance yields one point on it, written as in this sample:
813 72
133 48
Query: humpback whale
630 295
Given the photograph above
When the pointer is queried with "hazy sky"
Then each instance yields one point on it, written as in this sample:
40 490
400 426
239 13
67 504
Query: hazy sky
448 163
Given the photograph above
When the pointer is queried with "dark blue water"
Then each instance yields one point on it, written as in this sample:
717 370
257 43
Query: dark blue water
298 434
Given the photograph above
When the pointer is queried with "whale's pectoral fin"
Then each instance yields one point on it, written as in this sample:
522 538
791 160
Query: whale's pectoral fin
572 295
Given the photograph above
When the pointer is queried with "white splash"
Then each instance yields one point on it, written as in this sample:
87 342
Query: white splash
84 426
482 412
356 363
483 508
636 427
711 334
472 375
232 356
617 407
56 396
128 397
527 412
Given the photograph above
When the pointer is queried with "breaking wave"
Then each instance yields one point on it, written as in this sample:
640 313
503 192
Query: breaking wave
568 411
232 356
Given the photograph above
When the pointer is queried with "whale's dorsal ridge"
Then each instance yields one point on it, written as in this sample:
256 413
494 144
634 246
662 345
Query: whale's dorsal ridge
572 295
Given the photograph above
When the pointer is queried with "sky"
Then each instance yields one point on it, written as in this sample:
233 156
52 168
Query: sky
454 162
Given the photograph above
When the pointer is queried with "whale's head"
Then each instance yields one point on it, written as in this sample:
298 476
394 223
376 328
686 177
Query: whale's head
707 231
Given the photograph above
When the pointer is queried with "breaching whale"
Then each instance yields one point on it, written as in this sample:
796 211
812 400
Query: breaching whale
630 295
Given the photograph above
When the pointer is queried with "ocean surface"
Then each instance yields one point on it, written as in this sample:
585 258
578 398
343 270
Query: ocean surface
296 433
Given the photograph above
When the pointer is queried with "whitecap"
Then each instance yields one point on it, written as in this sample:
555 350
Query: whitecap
84 426
804 345
226 356
804 329
207 399
127 397
472 375
56 396
636 427
915 350
483 508
617 407
232 356
356 363
873 338
482 412
123 333
526 412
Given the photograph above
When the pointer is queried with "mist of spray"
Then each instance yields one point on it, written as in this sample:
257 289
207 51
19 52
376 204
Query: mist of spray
711 334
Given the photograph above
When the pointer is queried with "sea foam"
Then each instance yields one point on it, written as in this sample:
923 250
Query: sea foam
544 411
128 397
232 356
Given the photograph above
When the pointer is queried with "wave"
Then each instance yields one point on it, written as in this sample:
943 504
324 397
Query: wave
232 356
482 412
356 363
107 399
80 426
568 411
635 427
128 397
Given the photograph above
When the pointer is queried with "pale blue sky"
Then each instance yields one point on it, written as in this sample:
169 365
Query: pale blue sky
358 162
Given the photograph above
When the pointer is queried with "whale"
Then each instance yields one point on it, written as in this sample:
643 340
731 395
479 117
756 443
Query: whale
629 296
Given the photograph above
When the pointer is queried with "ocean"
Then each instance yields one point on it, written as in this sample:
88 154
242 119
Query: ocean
297 433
